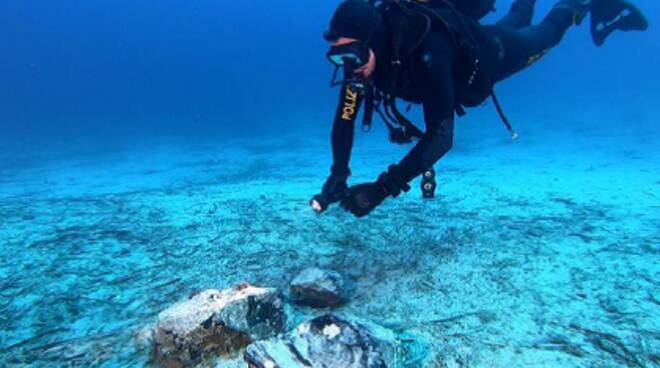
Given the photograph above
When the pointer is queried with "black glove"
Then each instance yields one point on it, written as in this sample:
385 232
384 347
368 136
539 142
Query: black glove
333 191
364 198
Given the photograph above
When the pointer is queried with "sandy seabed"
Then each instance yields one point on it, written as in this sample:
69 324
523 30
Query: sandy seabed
539 253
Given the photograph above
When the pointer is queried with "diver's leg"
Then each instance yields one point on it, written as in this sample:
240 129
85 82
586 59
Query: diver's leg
513 50
475 9
520 15
552 29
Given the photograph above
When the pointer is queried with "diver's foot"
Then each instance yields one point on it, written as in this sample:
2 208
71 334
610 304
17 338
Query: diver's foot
608 16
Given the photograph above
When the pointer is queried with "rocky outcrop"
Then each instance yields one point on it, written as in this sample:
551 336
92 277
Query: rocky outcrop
318 288
216 322
331 341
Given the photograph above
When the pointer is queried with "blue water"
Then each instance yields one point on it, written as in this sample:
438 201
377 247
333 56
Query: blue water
151 149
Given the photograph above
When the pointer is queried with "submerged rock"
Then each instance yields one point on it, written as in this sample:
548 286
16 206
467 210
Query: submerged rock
144 337
216 322
330 341
318 288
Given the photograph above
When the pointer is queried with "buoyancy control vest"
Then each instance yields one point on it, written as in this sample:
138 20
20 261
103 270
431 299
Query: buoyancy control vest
408 23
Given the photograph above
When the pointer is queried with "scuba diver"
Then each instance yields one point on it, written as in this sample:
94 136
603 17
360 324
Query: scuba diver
429 52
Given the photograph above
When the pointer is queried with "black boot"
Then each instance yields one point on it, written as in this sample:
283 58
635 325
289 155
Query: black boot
608 16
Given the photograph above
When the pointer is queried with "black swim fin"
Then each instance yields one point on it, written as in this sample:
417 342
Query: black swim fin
608 16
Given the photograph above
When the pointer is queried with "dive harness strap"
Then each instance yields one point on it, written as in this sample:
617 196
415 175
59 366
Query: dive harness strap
402 130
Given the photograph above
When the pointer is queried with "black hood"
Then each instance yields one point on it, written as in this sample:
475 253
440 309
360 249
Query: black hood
360 20
354 19
365 22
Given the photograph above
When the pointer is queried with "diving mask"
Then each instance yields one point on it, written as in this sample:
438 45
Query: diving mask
351 57
355 53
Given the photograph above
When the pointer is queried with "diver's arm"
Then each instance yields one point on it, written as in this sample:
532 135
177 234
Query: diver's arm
361 199
343 131
439 108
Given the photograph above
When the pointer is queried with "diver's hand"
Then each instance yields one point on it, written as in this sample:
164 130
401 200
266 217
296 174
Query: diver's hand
334 189
364 198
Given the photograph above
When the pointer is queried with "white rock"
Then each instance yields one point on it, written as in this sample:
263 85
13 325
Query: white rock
216 322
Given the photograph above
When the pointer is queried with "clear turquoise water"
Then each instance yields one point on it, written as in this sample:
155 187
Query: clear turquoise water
147 153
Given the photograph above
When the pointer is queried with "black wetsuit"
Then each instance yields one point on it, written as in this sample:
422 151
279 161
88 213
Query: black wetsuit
504 49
